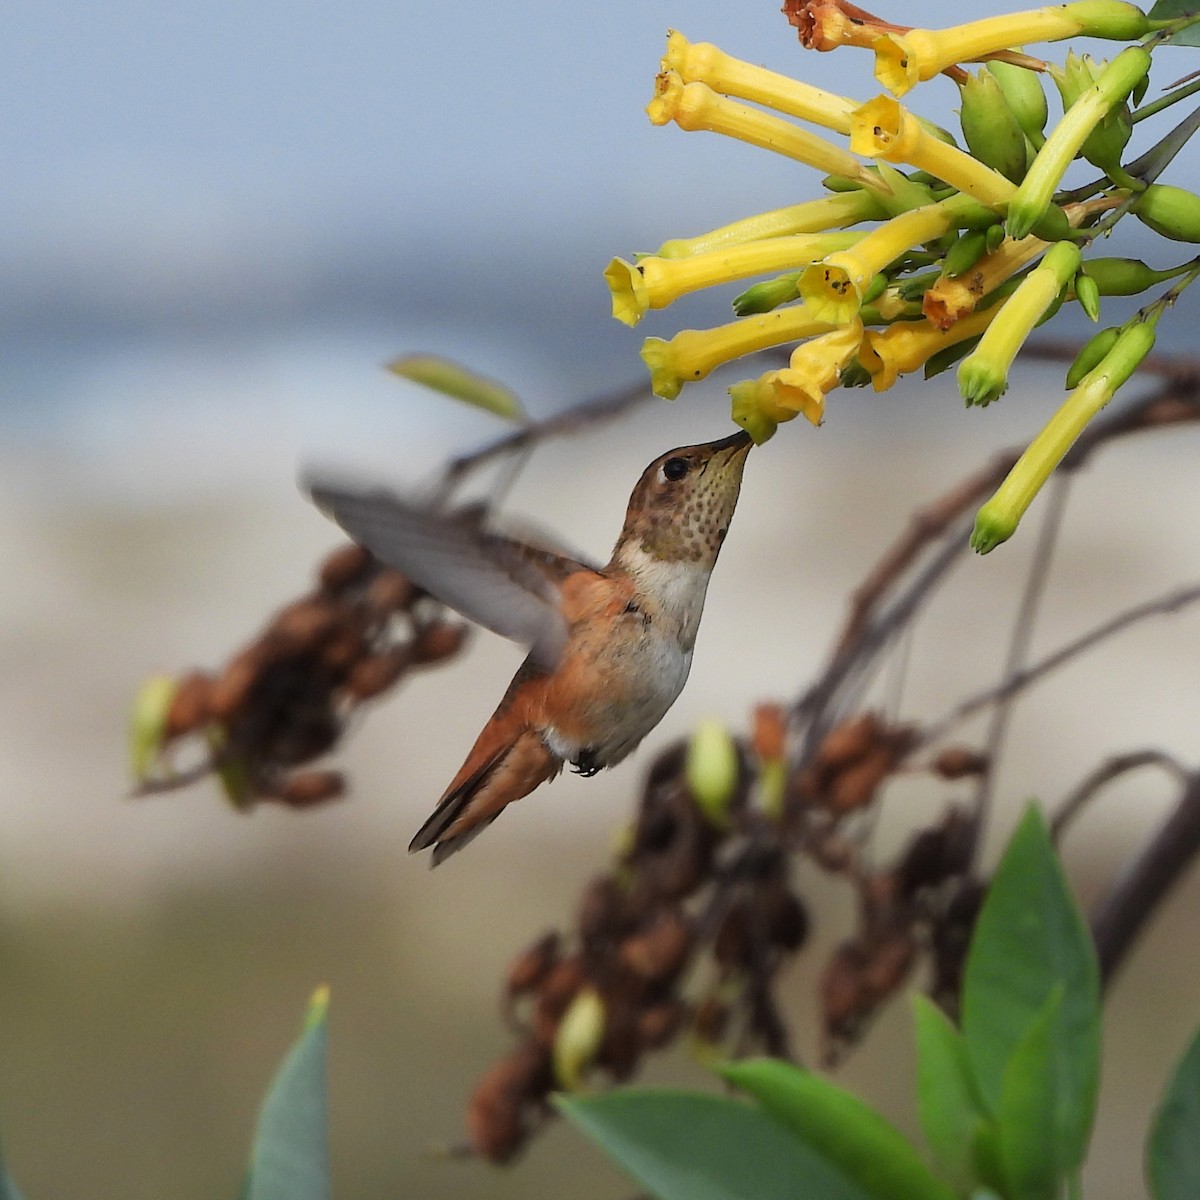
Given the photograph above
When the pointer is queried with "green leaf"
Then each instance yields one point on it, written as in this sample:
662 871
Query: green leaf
454 380
841 1128
1173 1151
689 1146
947 1099
1031 938
1164 10
1028 1136
290 1158
8 1189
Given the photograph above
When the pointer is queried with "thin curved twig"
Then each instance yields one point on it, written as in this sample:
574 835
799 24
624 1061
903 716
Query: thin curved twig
1104 774
1120 915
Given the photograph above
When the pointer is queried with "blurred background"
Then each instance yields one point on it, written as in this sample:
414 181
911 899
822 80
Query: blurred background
220 220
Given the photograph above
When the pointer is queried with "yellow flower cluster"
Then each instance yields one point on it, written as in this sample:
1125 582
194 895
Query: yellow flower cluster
892 271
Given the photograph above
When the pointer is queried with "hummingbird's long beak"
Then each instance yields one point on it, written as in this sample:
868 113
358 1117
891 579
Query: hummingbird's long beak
735 441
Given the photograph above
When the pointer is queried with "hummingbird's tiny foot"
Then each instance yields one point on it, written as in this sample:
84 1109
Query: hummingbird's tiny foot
586 764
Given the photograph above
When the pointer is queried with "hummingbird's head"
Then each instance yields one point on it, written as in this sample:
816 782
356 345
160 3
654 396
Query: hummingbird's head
683 503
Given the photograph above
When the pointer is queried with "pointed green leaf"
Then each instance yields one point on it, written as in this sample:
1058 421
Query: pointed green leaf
1025 1116
290 1158
8 1189
1164 10
1030 938
947 1100
689 1146
841 1128
452 379
1173 1151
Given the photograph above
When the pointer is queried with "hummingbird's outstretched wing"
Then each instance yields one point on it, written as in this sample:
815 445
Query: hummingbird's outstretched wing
502 583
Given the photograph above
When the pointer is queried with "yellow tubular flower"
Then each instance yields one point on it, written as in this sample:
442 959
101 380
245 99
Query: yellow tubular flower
656 282
950 300
983 374
833 289
692 353
997 520
826 26
695 106
813 216
814 369
1045 173
702 62
902 60
755 408
889 353
881 128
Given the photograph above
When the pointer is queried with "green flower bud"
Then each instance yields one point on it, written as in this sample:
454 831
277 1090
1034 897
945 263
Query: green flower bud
1094 349
915 286
768 295
1125 276
967 250
148 723
997 520
1052 225
1026 98
711 770
1106 143
1087 292
1032 201
1173 212
990 126
1112 19
878 285
855 375
578 1038
983 377
945 358
995 235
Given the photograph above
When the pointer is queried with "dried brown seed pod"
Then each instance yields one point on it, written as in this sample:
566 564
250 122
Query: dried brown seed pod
603 910
785 917
848 742
375 674
888 963
769 739
191 706
554 994
344 648
532 965
733 945
389 592
711 1019
956 762
303 626
854 787
497 1120
621 1049
437 641
311 788
659 951
844 995
659 1023
233 686
344 567
935 855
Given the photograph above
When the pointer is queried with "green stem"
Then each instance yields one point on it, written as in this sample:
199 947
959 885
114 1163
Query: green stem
1153 109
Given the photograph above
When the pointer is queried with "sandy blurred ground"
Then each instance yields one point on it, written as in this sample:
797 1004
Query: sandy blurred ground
156 955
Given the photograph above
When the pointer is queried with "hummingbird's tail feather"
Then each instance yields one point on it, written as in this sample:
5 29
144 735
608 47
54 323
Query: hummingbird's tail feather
480 791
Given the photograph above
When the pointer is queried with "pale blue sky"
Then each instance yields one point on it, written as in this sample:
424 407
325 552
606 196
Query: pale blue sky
196 189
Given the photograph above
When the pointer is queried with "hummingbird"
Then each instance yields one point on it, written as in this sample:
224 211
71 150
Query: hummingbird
610 647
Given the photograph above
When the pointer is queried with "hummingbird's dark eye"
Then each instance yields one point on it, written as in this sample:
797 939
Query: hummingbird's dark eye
675 468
